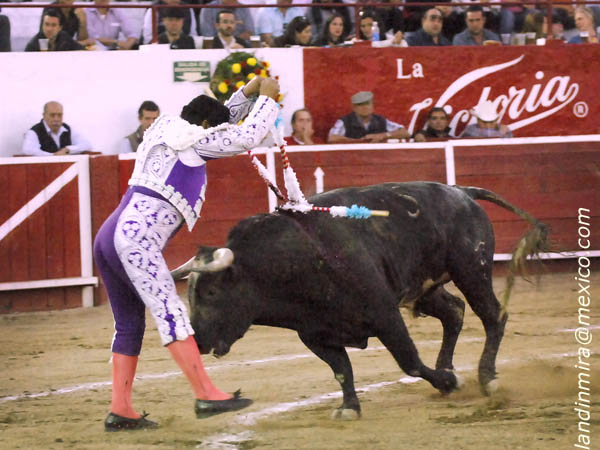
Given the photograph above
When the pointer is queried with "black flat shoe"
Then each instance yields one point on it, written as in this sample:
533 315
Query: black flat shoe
207 408
115 422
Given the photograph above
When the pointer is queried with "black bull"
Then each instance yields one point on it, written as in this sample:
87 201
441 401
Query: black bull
339 281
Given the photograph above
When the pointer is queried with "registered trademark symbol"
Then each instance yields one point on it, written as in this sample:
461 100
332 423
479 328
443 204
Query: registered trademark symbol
580 109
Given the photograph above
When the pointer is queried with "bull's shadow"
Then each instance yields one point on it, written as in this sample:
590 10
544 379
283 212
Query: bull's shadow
339 281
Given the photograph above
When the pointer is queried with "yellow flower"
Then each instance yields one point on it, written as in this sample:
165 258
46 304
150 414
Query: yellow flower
279 98
222 87
263 73
239 84
236 68
266 64
251 61
251 75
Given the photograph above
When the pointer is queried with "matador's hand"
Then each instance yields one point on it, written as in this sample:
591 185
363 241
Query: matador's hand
254 86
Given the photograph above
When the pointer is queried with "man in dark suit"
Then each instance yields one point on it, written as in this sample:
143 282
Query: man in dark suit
225 37
430 33
57 39
173 22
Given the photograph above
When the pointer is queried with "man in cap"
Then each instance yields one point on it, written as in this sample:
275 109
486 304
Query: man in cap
362 124
488 125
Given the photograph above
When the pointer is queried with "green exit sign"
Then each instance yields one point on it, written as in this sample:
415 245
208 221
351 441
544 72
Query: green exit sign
194 71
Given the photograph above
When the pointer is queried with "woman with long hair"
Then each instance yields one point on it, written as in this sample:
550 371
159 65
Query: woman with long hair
332 33
297 32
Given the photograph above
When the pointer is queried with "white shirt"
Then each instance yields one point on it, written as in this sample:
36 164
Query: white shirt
32 147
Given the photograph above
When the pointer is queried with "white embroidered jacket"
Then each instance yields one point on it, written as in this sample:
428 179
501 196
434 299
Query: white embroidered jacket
171 160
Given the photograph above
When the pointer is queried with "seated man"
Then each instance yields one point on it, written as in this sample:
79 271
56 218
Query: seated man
51 136
430 32
190 26
173 22
225 37
271 22
436 127
147 114
56 39
104 26
302 129
487 125
244 26
362 124
475 33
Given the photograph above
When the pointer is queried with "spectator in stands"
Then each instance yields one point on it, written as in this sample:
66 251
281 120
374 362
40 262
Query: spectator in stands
559 25
51 136
147 114
512 17
302 129
244 27
298 32
475 33
454 21
319 16
4 33
436 127
585 23
73 19
51 32
225 37
190 26
271 22
488 124
537 23
104 25
362 124
389 19
333 32
174 35
430 31
366 33
393 17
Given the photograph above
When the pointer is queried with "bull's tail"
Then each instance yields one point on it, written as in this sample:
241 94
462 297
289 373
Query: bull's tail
532 243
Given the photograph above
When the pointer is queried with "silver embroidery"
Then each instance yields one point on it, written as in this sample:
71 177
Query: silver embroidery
143 230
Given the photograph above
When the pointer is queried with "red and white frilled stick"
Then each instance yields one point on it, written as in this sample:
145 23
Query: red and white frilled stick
297 201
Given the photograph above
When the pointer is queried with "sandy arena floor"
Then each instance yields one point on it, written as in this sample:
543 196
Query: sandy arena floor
55 386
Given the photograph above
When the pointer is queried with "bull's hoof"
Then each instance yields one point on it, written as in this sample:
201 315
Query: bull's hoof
451 382
491 387
345 414
460 382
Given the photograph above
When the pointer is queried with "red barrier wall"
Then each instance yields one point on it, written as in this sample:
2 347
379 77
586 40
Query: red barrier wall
551 181
46 244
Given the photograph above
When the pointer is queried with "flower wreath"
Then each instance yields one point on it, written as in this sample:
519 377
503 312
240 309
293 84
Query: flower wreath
233 72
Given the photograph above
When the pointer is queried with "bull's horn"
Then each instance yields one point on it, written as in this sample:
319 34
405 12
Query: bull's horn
183 270
222 259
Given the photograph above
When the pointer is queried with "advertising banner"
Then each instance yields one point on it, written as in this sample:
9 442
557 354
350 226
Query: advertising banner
537 90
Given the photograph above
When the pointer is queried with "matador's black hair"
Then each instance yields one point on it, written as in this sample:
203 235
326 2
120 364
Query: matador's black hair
204 108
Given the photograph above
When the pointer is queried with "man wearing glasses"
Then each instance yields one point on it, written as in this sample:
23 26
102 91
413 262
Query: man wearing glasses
430 31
